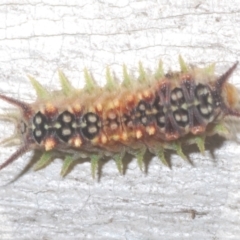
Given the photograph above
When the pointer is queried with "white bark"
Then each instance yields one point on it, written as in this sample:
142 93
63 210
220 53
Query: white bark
186 202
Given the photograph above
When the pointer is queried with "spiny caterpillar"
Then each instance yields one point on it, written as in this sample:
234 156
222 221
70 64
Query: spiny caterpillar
155 112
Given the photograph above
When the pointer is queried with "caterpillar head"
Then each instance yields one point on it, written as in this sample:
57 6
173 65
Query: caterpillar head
21 134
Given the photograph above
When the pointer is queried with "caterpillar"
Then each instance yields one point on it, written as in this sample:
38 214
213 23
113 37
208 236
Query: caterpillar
155 112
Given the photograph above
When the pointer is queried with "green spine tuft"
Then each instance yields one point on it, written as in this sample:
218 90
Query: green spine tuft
90 83
159 73
42 92
183 65
221 130
118 159
178 148
126 78
67 162
111 83
160 154
139 154
67 88
200 141
142 74
210 69
44 160
158 150
94 164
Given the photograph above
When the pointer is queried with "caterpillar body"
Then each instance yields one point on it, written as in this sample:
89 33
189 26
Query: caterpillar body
154 112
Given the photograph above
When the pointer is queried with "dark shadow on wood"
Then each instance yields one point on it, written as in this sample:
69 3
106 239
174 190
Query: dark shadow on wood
211 144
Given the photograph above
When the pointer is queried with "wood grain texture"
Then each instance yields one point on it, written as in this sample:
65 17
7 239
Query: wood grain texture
187 202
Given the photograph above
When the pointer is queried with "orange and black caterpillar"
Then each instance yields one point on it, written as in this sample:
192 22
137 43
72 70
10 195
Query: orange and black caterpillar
155 112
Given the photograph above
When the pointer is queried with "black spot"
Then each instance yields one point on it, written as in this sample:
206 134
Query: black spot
142 113
112 121
181 117
177 97
65 130
205 110
90 125
160 118
39 122
142 107
127 120
205 106
202 93
160 115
